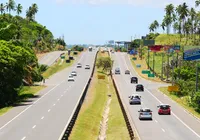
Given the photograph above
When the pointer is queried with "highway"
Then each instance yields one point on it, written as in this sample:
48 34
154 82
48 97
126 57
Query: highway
45 117
178 126
50 58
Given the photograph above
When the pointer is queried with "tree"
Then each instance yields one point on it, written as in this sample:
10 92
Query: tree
169 16
156 24
2 8
34 10
105 63
197 3
10 5
19 9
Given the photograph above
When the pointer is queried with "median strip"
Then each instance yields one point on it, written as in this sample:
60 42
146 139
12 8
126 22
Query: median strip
87 125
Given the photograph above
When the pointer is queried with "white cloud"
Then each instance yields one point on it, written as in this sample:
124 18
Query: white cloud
151 3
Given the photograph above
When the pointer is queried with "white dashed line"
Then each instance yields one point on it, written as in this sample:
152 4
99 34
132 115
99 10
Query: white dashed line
42 118
61 95
54 104
34 126
156 121
163 130
58 99
23 138
49 110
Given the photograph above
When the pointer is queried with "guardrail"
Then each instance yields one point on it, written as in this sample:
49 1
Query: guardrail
66 133
124 110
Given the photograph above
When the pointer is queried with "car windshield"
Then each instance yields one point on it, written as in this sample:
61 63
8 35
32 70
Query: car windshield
145 110
139 85
164 107
70 76
73 72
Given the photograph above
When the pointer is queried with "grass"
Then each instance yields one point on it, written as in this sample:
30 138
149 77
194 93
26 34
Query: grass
88 122
24 93
181 101
56 67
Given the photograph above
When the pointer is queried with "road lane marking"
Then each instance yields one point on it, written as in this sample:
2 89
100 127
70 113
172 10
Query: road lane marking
34 126
54 104
156 121
23 138
61 95
29 106
58 99
49 110
175 115
42 118
163 129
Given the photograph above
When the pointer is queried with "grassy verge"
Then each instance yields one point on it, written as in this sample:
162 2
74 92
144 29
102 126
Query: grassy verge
181 101
24 93
88 122
57 67
143 67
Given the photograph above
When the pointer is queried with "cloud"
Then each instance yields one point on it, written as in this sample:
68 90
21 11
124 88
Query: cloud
151 3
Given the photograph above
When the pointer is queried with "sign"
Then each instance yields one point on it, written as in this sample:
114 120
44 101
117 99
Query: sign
148 42
156 48
177 47
173 88
133 52
101 76
192 54
143 37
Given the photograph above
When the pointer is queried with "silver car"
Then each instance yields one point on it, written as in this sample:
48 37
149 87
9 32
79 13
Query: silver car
117 71
70 78
79 65
145 113
73 73
135 99
87 66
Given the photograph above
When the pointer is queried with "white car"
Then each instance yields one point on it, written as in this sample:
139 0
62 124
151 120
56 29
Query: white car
79 65
87 66
135 99
145 113
70 78
73 73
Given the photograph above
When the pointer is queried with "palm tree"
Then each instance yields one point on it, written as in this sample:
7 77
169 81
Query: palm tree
152 27
34 9
197 3
19 9
169 17
29 14
192 13
156 24
184 14
2 8
176 27
10 5
163 26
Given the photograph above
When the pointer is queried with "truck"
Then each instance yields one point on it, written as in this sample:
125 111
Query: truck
90 49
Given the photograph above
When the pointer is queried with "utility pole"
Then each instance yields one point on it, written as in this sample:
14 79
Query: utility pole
148 56
173 63
162 65
154 62
167 66
197 77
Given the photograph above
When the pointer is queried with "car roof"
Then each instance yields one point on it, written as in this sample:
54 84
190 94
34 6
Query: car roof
144 109
139 85
164 105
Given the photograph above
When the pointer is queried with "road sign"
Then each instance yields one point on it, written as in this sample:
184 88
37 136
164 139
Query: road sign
192 54
148 42
173 88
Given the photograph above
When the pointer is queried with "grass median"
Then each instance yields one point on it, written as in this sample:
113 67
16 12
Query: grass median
87 126
24 93
181 101
58 66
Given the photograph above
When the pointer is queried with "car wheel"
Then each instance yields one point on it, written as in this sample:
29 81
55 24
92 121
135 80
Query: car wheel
169 113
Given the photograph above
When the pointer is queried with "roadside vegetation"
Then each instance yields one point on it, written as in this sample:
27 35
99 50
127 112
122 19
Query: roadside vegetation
21 38
184 22
88 128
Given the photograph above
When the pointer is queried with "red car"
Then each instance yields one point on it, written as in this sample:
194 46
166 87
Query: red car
164 109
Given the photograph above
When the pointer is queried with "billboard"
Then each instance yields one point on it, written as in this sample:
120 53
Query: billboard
192 54
156 48
148 42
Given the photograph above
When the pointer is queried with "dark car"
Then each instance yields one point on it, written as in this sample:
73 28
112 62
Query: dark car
127 72
134 80
139 87
164 109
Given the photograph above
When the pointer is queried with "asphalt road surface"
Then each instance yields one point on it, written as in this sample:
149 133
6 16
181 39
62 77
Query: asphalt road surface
180 125
47 116
50 58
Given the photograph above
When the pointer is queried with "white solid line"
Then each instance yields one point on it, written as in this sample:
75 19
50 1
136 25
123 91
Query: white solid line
163 130
156 121
29 106
49 110
172 112
23 138
34 126
175 115
42 118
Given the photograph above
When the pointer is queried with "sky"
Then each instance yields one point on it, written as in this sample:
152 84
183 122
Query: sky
97 21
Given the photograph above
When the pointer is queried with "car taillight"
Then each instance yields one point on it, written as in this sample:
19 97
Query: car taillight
140 113
150 113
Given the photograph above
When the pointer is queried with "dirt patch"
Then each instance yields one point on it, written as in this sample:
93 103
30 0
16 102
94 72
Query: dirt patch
40 55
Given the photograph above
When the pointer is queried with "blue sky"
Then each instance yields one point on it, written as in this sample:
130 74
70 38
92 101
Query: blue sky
97 21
